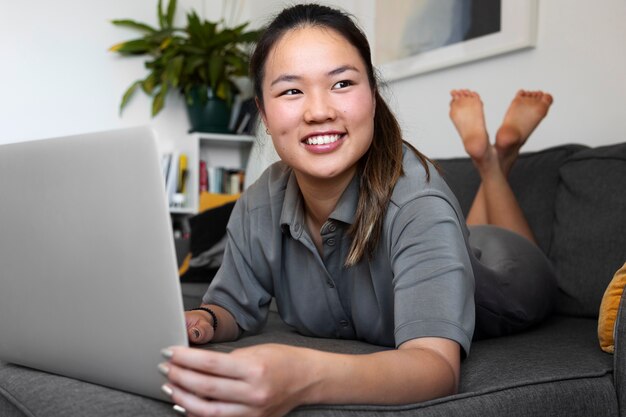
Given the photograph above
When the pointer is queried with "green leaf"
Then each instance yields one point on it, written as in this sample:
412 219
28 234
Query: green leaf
160 14
148 84
173 70
192 49
249 37
134 25
127 95
240 28
159 100
194 29
193 63
137 46
171 10
166 42
238 63
216 67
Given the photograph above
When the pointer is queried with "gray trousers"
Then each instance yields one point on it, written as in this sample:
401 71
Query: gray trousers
515 282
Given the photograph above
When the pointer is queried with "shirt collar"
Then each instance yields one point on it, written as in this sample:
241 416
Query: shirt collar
346 206
292 214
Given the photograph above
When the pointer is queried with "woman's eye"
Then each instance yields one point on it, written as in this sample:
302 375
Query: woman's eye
342 84
290 92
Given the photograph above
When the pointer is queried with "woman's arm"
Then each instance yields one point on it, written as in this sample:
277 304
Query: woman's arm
419 370
273 379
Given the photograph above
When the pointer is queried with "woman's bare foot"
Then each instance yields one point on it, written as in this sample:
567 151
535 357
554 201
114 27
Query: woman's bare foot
466 112
525 113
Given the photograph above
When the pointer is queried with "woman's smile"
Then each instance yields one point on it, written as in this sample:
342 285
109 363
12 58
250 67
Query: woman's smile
323 143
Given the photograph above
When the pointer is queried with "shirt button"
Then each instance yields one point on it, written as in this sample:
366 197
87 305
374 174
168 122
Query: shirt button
330 284
332 227
344 323
330 242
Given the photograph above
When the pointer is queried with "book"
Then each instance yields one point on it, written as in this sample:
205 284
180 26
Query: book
203 177
225 180
172 177
181 179
247 119
165 166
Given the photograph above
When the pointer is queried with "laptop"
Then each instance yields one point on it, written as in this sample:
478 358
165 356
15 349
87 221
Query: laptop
89 287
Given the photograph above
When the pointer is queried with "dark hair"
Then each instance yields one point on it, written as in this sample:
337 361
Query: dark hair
381 166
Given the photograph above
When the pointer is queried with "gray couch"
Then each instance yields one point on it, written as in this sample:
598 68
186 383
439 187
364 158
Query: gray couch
575 199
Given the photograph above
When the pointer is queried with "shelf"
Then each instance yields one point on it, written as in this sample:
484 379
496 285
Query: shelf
223 137
182 210
217 150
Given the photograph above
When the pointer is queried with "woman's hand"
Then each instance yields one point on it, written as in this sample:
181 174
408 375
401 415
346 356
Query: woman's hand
270 380
263 380
199 326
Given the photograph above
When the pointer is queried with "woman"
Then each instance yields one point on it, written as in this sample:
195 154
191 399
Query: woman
354 233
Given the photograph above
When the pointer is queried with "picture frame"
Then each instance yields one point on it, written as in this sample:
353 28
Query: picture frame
518 30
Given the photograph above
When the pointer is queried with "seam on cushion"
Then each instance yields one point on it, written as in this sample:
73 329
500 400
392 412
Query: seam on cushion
451 398
578 158
15 402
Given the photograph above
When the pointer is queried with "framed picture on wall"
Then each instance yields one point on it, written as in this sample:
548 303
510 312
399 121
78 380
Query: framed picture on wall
418 36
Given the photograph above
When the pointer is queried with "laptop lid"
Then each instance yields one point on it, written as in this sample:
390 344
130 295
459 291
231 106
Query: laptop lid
88 276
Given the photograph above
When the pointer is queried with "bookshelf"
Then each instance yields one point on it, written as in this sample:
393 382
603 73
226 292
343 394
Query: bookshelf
217 150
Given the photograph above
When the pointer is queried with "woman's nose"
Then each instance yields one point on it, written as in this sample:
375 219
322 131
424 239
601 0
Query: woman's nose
318 109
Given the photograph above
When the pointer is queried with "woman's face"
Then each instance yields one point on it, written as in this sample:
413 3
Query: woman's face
318 103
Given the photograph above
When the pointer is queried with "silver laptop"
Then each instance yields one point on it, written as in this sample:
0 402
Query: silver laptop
88 274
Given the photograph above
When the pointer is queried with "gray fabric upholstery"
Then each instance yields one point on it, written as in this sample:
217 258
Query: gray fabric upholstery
556 362
561 399
7 408
38 394
534 180
590 227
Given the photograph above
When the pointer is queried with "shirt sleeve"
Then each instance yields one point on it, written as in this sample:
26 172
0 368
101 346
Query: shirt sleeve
433 278
238 287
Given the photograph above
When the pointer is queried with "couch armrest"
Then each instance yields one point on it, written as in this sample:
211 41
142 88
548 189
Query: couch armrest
619 368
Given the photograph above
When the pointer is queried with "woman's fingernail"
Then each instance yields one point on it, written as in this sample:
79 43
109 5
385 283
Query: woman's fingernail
180 410
167 390
167 353
164 369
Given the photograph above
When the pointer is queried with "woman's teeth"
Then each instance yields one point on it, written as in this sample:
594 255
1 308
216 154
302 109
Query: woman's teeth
322 140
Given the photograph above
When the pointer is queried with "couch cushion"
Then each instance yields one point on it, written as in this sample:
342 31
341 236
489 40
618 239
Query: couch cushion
556 369
534 180
39 394
589 242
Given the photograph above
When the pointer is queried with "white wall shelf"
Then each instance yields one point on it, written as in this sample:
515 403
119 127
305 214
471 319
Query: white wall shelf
217 150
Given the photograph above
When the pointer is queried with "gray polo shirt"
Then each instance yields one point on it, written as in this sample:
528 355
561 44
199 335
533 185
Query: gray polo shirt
419 282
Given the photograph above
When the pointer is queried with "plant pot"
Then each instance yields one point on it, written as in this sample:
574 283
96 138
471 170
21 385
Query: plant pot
210 115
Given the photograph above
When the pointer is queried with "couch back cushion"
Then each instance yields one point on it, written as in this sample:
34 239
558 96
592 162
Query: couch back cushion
534 180
589 242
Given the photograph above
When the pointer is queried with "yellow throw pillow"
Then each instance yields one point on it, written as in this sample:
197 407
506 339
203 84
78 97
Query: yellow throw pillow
608 310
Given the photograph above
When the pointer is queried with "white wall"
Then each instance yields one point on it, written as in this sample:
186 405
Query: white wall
57 78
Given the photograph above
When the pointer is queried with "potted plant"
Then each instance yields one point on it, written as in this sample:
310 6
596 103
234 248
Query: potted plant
200 60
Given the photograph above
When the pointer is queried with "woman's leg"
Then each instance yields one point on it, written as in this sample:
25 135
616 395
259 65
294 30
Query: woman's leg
495 202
